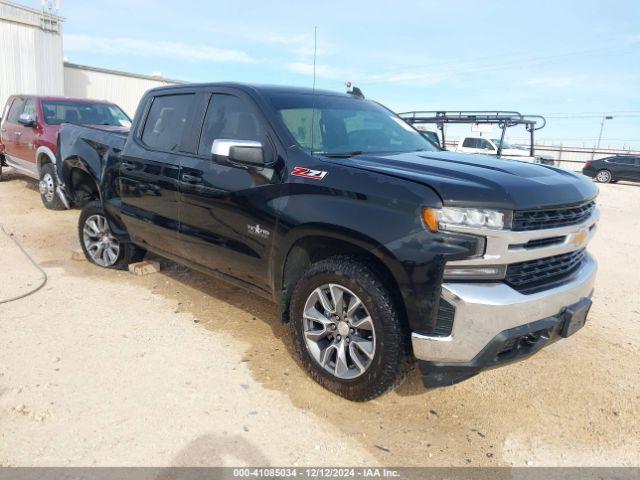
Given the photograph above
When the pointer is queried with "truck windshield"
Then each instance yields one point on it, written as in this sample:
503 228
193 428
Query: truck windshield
342 126
59 111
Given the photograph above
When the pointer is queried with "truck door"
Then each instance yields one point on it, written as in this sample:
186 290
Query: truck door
225 219
9 130
149 172
26 137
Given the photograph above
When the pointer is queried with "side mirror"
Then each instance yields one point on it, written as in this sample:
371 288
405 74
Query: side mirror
27 120
243 152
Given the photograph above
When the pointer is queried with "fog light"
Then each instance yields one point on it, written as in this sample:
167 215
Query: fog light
489 273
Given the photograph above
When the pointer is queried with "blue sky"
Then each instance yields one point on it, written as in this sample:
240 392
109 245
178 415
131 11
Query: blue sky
558 58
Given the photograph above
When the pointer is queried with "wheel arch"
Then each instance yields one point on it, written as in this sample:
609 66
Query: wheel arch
44 155
312 243
80 183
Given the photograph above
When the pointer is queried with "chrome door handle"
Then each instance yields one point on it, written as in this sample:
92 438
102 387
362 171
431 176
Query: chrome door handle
191 178
128 166
18 133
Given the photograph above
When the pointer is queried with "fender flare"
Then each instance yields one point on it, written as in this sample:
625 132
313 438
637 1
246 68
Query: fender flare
42 150
332 232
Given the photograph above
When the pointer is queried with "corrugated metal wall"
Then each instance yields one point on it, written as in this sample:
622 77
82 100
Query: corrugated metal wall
30 52
121 88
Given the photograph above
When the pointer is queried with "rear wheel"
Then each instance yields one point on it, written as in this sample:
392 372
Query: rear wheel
347 331
603 176
47 187
98 243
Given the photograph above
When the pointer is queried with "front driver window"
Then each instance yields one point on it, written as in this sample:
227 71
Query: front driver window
231 118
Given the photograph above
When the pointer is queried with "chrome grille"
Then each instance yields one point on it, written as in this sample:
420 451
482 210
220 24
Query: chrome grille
552 217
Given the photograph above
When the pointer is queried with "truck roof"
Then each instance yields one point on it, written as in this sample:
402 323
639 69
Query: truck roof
256 88
49 98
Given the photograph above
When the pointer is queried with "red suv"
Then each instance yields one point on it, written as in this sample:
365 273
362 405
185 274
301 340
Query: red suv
29 130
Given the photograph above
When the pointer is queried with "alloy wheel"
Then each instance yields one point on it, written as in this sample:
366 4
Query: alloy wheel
100 244
603 176
338 331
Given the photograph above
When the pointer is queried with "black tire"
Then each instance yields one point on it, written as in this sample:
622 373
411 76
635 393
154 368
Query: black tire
127 252
604 176
48 185
392 357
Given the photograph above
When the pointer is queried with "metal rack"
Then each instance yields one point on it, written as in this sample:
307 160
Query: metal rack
504 119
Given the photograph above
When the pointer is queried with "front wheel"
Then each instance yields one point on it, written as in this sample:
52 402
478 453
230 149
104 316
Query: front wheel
47 187
603 176
98 243
347 330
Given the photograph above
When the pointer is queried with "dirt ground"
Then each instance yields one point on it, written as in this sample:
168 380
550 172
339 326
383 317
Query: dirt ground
105 368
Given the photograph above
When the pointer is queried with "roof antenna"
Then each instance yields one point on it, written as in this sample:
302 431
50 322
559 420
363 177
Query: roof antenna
315 54
313 102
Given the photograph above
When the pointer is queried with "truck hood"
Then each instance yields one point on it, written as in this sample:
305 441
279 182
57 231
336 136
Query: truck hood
480 180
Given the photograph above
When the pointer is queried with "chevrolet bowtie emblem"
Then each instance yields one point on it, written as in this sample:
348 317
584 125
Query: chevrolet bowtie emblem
579 238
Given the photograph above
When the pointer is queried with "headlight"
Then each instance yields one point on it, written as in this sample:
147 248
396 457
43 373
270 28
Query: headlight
439 218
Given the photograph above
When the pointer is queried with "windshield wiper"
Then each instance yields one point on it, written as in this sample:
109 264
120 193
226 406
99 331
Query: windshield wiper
340 154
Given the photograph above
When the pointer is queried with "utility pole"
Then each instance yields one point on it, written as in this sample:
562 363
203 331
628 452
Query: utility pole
606 117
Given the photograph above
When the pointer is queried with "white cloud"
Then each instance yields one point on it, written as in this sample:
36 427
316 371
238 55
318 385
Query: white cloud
150 48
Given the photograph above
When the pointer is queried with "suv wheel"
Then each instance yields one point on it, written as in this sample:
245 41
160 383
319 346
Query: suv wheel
603 176
98 243
47 186
347 331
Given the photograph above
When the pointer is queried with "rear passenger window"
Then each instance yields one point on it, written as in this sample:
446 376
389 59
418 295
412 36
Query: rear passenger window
16 110
166 121
469 143
624 160
229 117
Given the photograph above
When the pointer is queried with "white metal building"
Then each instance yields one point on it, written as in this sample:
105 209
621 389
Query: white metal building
32 62
124 89
30 52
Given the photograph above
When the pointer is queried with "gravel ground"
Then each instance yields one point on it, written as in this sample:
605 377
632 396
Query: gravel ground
106 368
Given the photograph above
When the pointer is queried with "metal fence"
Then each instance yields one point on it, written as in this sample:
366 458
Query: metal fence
570 158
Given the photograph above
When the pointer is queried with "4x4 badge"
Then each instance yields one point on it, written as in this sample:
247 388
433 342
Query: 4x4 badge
258 231
308 173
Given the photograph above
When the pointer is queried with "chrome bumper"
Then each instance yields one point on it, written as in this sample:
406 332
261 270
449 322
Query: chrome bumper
483 310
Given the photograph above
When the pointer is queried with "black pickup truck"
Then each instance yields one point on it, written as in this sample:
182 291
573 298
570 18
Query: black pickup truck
379 248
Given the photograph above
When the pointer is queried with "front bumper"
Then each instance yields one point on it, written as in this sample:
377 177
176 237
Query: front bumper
487 314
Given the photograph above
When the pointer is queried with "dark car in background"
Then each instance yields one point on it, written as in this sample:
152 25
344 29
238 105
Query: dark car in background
29 132
612 169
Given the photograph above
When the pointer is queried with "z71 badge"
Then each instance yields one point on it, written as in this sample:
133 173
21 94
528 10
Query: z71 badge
308 173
